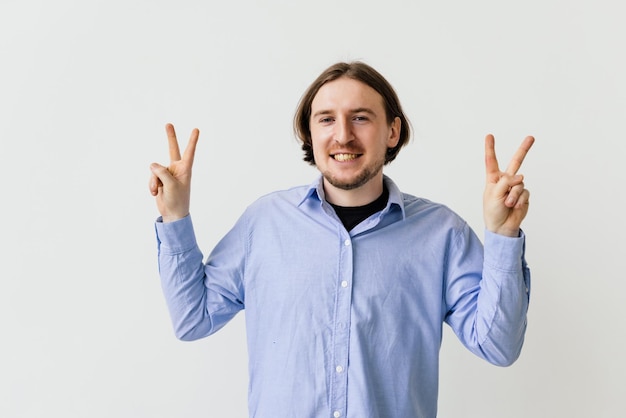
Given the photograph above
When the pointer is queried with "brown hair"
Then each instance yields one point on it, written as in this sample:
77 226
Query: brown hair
357 71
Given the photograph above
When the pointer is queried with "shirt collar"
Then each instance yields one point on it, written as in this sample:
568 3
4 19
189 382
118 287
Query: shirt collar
395 195
315 191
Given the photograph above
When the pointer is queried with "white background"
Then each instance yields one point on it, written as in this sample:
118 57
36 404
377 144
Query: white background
86 88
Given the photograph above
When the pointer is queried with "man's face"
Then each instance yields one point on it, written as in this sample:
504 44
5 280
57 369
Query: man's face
350 134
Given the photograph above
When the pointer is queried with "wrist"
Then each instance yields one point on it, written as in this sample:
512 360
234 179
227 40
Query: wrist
172 218
507 232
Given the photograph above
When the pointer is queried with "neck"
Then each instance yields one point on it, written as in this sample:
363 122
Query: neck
359 196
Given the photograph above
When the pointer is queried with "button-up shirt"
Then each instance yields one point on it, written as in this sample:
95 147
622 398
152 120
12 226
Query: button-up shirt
348 323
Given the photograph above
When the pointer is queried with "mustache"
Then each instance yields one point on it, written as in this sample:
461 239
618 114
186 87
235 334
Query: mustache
347 150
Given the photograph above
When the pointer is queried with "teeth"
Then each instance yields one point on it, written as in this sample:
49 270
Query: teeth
345 157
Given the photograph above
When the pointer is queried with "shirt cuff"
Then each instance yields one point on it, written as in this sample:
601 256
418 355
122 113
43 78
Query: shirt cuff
175 237
504 253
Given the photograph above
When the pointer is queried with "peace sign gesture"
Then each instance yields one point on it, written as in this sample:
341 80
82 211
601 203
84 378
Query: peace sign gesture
505 200
172 185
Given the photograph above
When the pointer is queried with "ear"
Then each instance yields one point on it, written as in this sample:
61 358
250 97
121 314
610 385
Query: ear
394 132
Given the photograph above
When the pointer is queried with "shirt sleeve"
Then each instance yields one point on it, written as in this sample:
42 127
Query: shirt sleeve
487 307
201 298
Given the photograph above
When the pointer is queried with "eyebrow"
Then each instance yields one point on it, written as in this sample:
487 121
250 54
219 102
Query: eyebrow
357 110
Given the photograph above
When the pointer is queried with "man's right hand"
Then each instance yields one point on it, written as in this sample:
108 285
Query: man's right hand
172 185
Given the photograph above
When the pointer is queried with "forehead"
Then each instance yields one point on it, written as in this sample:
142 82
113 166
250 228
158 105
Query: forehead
346 93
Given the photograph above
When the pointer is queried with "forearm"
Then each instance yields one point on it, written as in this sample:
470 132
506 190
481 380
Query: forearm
182 279
503 299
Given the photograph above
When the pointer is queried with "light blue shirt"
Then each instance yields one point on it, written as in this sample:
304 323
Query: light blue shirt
348 324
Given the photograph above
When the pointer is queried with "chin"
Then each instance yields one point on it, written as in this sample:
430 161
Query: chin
349 184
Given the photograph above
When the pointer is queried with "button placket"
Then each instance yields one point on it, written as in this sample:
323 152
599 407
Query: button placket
342 328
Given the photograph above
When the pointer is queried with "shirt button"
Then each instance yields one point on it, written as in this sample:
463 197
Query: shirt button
336 414
339 369
344 283
346 242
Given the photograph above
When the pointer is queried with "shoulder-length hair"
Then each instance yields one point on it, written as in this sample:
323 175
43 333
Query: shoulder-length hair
357 71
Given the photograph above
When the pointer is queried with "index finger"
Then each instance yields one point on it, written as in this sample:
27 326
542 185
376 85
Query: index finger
172 142
520 154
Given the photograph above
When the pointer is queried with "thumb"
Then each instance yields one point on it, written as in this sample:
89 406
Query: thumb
506 182
161 173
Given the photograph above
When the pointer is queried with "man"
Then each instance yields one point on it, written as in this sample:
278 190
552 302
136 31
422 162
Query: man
347 282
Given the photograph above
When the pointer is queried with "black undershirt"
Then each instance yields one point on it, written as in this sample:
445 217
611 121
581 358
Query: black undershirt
351 216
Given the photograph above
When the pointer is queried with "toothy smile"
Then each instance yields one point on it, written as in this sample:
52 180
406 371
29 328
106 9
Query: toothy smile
345 157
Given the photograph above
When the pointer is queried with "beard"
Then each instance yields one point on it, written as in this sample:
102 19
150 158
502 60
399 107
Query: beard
361 178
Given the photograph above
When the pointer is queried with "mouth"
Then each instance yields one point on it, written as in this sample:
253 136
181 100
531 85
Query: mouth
345 157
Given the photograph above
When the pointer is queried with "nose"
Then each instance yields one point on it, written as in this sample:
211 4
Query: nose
343 131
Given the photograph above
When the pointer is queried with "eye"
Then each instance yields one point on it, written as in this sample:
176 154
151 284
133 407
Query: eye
327 119
360 118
